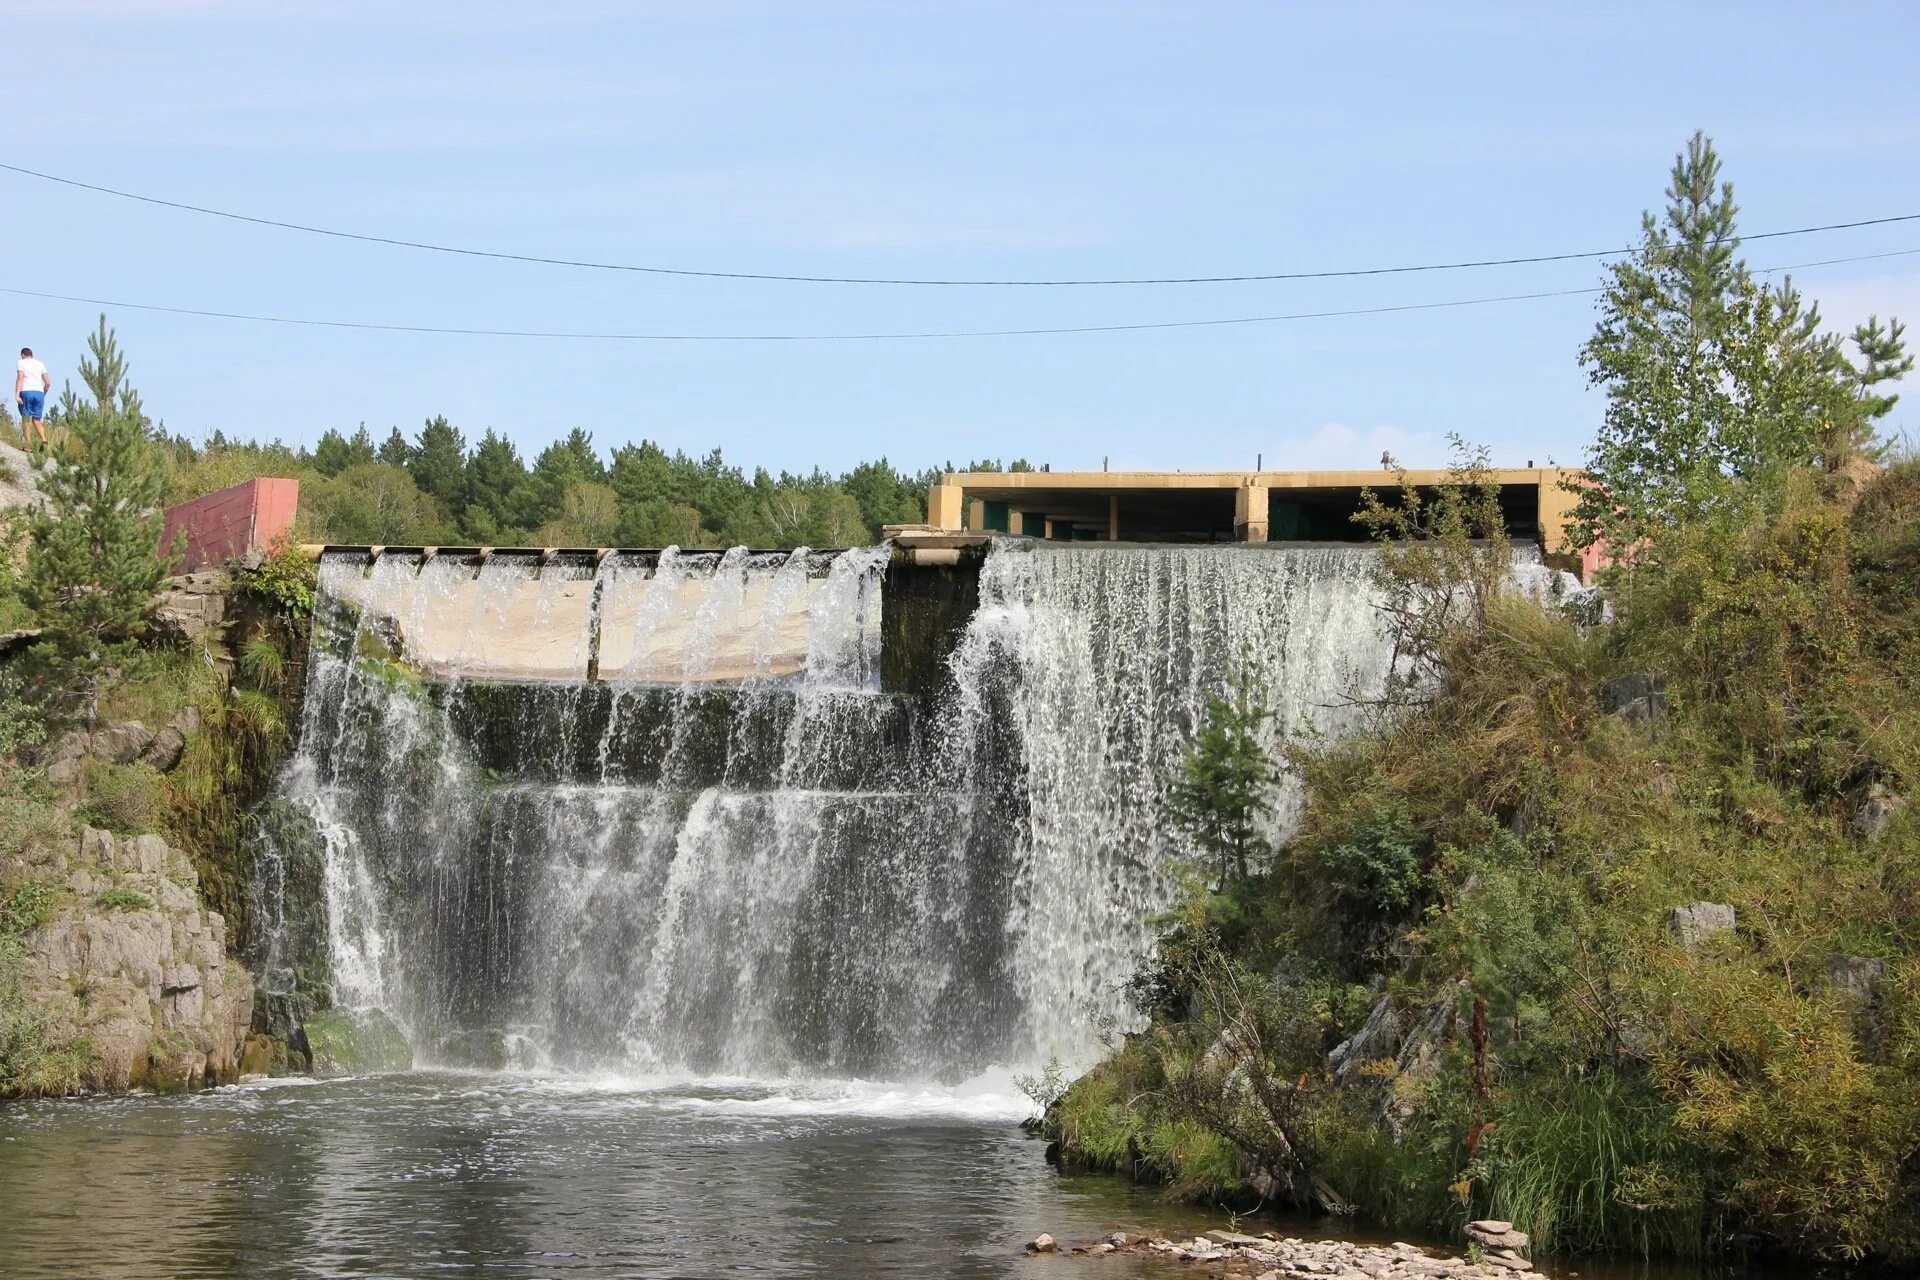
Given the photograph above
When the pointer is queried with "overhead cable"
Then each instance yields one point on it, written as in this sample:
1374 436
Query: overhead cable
583 336
544 260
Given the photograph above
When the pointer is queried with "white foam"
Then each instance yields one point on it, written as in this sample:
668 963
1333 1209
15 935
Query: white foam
991 1097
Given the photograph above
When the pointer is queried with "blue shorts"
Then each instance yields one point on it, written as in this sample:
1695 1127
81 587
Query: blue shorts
33 404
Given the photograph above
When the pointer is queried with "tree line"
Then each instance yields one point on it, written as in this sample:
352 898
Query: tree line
434 488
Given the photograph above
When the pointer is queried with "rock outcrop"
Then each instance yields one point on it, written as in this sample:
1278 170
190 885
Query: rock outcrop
131 966
1694 923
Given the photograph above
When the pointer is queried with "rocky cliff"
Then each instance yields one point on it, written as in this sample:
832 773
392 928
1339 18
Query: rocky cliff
132 966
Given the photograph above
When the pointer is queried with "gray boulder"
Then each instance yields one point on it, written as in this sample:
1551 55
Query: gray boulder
164 752
1876 811
120 742
1856 978
1696 922
1638 700
1377 1038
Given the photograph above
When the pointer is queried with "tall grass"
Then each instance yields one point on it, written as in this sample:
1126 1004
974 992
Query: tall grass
1597 1167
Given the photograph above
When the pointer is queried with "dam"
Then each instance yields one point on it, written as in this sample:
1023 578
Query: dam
887 812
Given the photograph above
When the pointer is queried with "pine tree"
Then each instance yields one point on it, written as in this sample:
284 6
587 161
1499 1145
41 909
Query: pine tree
439 462
394 450
561 465
1225 789
335 452
93 562
496 489
1716 384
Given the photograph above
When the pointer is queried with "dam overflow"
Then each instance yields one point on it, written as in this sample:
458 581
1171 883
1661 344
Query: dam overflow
661 812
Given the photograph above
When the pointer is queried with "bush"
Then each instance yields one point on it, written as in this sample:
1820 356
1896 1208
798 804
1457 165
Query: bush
119 899
126 799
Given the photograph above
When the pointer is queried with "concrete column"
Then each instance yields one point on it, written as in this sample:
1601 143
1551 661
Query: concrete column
976 515
1250 512
1113 517
945 506
1554 505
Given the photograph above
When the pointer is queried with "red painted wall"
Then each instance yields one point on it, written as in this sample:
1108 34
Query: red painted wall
232 521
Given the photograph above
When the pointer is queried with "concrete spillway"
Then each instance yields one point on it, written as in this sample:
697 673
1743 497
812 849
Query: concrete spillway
769 813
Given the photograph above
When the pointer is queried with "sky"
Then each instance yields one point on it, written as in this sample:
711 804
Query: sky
920 140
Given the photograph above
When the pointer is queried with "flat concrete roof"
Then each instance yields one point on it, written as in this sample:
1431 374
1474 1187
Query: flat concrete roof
978 481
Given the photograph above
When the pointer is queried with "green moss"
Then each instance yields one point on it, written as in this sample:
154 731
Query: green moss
347 1042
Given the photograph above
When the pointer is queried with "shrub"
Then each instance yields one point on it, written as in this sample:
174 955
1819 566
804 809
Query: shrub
121 899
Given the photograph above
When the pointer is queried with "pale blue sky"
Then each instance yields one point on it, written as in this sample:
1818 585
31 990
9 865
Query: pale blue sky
920 139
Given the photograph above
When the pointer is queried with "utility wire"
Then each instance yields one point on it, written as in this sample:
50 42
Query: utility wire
880 337
799 279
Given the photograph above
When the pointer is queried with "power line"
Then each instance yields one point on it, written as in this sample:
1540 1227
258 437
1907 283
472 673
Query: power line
1352 273
563 335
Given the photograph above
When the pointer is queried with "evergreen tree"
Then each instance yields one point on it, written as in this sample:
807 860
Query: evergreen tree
394 450
1715 383
1224 793
562 464
335 452
439 462
884 496
496 489
92 561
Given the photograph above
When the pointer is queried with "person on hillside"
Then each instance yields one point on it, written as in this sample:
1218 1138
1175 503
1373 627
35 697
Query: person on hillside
30 386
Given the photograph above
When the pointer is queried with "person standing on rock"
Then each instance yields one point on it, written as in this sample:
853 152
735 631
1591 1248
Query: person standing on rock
31 382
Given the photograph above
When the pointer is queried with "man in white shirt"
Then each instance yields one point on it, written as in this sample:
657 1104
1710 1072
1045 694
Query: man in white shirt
30 386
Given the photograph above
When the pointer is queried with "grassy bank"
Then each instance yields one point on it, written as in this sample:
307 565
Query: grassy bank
1476 983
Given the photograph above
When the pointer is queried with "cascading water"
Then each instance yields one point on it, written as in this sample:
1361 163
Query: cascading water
658 814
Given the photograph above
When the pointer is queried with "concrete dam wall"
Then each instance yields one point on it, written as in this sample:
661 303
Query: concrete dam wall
768 813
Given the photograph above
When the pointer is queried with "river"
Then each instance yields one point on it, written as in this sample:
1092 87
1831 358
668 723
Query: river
469 1174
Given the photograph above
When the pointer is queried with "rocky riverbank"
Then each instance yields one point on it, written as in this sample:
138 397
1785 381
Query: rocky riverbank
1497 1250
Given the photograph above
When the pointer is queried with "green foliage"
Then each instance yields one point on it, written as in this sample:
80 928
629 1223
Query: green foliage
335 452
1445 559
438 461
1224 794
1374 868
26 908
91 567
126 799
1715 383
285 580
121 899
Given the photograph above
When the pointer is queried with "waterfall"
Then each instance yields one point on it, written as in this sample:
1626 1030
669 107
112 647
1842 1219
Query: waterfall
657 813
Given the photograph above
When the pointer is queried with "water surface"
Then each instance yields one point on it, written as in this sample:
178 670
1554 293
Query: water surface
449 1174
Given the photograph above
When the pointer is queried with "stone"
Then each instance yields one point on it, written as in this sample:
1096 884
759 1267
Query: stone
164 752
1233 1238
1696 922
120 742
1507 1261
1856 978
1638 700
1378 1037
1876 812
1043 1243
1489 1226
148 854
256 1058
351 1042
186 720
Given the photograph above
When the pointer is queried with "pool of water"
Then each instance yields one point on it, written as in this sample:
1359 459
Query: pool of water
432 1174
446 1174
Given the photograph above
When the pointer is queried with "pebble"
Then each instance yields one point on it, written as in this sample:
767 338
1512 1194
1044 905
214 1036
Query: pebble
1272 1257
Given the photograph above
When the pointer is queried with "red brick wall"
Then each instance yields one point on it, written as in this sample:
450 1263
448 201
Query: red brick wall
232 521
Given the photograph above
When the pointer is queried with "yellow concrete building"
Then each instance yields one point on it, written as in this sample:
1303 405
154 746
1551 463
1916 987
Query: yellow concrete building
1215 506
